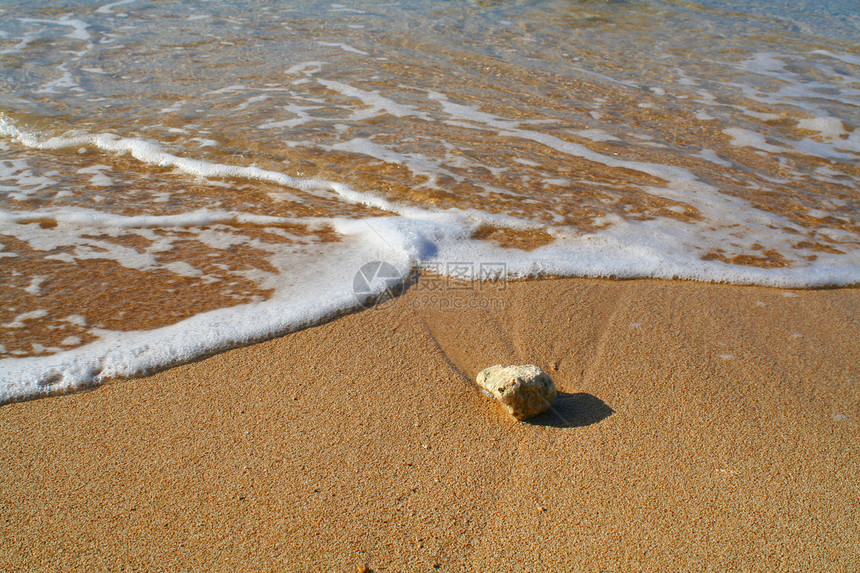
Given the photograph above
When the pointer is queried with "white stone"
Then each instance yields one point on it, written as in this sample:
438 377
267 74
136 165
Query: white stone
524 390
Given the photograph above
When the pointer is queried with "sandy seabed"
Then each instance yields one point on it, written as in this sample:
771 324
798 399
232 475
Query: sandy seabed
700 428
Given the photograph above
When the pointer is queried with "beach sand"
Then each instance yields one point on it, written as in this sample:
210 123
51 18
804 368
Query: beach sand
700 428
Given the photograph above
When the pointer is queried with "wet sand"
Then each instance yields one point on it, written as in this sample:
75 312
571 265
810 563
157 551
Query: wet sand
700 428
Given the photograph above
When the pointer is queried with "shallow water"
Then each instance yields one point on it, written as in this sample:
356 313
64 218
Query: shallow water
179 177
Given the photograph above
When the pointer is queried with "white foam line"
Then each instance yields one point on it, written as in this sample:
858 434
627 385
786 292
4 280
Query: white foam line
344 47
374 101
26 40
153 154
746 138
846 58
99 219
417 165
305 68
80 26
682 185
108 8
509 128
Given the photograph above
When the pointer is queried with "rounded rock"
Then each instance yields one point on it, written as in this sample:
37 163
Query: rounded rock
524 391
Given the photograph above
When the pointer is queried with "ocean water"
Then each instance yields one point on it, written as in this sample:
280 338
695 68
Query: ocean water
180 177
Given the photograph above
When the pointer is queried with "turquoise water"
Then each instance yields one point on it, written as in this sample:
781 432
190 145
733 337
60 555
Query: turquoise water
179 177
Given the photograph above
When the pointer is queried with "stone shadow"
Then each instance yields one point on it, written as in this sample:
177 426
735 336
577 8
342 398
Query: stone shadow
573 411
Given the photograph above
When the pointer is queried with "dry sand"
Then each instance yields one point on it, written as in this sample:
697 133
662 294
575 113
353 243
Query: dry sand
701 428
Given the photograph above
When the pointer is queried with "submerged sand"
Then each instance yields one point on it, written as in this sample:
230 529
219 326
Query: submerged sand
700 428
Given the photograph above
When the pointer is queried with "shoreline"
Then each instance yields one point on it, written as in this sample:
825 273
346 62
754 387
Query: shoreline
443 303
700 426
